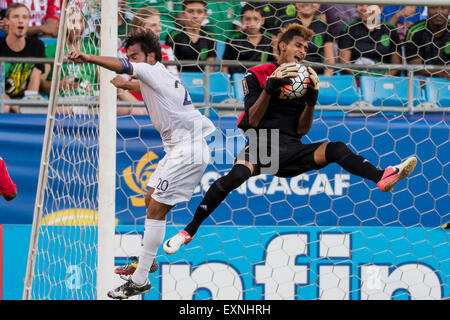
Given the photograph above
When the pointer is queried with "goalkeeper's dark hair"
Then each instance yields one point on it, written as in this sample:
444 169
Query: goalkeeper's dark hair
287 34
147 40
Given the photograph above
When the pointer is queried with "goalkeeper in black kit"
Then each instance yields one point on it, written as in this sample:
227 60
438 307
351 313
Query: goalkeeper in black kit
278 124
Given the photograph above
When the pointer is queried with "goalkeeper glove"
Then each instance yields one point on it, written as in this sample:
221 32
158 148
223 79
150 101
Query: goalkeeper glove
280 77
313 89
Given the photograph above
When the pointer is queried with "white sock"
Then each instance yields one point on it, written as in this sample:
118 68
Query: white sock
154 233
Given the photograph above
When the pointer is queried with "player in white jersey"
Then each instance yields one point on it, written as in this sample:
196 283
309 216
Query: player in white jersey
183 130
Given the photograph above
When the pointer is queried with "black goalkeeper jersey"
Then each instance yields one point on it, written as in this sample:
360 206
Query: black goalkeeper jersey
282 113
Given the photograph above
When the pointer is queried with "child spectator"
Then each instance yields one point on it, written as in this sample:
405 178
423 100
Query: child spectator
44 17
366 41
21 79
76 79
192 43
321 48
252 44
428 41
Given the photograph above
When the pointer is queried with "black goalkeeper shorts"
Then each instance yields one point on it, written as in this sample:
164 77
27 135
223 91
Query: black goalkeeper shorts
293 159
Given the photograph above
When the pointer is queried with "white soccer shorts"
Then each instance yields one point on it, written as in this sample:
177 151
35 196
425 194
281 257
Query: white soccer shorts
179 172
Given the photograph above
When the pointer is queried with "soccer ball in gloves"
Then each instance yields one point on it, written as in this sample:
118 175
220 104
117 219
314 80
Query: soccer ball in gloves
299 85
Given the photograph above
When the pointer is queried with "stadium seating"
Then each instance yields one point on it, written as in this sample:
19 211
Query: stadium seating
389 91
339 89
236 81
438 91
219 86
193 82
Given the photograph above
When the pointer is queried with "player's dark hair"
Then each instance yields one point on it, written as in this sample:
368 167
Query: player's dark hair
188 2
14 6
147 40
250 7
293 30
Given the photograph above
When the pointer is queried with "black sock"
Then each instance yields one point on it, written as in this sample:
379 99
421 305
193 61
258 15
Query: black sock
216 194
338 152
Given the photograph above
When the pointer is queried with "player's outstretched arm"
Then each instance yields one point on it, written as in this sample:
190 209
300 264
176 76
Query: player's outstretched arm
114 64
306 118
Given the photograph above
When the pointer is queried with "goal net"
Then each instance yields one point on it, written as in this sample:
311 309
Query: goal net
321 235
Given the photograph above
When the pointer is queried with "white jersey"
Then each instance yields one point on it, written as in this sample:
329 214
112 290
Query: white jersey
169 105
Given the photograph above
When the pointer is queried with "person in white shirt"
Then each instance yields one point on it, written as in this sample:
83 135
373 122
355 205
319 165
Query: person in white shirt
183 130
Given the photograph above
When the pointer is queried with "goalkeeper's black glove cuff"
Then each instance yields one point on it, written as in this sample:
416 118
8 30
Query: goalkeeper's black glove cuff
273 85
311 96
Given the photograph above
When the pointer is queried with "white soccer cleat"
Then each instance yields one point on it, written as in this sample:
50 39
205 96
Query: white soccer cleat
129 289
392 175
173 244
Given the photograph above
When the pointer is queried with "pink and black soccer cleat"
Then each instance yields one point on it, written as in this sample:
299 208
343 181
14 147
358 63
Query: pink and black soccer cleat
392 175
173 244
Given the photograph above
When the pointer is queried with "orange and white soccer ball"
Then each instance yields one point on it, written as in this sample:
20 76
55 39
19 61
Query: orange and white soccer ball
299 85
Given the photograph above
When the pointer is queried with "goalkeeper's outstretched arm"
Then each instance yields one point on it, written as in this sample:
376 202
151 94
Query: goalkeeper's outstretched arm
114 64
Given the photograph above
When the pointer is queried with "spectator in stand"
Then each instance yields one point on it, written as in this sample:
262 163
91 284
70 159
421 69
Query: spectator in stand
166 8
252 44
76 79
149 18
223 19
146 18
3 8
21 79
123 23
272 14
368 40
337 15
428 42
192 43
402 16
44 17
321 47
7 187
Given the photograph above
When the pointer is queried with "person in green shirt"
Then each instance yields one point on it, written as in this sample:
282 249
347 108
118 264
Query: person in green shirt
223 19
76 79
123 23
366 41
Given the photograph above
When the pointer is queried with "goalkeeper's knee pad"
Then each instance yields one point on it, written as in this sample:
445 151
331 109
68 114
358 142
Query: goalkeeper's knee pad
337 152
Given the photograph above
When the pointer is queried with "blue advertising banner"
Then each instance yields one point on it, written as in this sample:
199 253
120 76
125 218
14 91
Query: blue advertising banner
329 197
251 263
